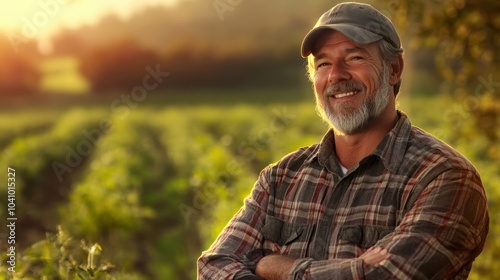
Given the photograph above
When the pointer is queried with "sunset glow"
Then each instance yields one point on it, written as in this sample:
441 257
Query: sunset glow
36 19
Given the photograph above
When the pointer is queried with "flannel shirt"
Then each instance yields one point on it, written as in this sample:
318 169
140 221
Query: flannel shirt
414 195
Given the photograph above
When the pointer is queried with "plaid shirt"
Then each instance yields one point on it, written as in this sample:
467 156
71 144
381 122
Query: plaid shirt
414 195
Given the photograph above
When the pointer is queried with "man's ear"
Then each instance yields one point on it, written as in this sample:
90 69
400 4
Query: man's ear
396 71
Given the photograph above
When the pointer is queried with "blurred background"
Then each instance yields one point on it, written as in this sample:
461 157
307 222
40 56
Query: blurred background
136 128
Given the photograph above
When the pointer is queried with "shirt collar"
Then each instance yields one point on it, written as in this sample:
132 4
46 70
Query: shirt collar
325 153
391 149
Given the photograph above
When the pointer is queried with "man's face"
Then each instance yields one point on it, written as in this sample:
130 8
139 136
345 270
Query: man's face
350 81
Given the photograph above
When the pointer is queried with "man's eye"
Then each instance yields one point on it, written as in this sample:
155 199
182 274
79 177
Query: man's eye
321 65
356 58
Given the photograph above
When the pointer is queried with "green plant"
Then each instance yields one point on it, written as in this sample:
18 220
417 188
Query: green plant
58 257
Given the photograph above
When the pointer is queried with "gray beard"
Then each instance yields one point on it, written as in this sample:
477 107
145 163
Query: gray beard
346 118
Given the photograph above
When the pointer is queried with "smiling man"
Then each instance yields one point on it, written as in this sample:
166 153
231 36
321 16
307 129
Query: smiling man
377 198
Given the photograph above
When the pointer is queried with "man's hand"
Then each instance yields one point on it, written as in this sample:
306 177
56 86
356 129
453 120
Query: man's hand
274 267
374 255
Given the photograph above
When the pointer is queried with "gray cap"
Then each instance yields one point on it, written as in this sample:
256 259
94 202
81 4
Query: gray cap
359 22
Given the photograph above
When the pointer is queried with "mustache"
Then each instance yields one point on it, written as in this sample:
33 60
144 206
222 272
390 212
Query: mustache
343 86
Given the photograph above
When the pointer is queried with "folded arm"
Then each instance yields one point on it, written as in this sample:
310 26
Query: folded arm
442 231
278 267
439 237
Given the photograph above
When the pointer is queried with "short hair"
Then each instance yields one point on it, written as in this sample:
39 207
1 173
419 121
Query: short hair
389 53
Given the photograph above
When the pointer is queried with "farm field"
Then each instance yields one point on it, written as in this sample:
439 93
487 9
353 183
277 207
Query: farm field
153 182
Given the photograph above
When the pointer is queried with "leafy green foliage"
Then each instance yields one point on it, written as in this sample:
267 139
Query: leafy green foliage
33 158
31 155
106 204
463 35
53 259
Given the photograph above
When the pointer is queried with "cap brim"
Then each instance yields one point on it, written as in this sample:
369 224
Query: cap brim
354 33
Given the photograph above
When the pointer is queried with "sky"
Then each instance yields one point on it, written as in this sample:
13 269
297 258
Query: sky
38 19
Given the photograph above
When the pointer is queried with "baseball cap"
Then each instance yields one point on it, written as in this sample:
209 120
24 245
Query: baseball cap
359 22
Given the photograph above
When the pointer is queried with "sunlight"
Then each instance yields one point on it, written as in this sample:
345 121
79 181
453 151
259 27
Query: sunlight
38 19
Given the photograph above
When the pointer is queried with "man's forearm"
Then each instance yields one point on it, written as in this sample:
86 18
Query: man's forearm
274 267
278 267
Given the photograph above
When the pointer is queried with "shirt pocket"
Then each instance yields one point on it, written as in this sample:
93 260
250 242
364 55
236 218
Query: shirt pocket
286 238
364 236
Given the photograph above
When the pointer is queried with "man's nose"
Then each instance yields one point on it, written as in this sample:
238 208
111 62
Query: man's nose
338 72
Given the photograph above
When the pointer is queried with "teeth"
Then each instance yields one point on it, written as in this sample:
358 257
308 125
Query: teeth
340 95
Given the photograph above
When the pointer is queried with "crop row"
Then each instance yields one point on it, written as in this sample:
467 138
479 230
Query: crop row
204 188
35 156
106 204
157 186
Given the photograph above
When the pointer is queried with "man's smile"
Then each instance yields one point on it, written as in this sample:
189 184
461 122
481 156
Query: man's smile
345 94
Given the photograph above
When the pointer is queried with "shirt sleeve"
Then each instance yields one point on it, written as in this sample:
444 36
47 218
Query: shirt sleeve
238 248
440 235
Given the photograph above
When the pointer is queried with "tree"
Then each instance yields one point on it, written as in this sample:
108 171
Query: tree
18 71
118 66
67 43
464 37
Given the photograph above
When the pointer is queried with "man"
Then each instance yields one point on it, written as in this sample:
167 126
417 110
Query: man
377 198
